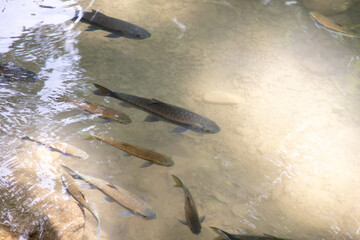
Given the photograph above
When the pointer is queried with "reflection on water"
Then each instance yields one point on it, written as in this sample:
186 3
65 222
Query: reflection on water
284 93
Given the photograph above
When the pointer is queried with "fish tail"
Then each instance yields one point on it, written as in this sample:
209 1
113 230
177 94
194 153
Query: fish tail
87 136
178 182
104 91
94 212
221 233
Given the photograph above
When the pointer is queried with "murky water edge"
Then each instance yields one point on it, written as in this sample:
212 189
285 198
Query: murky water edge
284 163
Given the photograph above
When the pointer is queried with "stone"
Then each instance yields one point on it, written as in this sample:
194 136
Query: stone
328 7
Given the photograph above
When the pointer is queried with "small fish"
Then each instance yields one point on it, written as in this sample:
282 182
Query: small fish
11 72
137 151
117 27
228 236
162 111
329 25
101 110
123 197
61 147
191 215
79 196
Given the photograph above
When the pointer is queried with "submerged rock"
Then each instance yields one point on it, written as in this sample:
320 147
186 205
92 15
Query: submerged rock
328 7
220 97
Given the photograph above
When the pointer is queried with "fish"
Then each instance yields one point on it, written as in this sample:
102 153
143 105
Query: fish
9 72
158 110
228 236
191 214
61 147
329 25
79 196
121 196
117 27
137 151
101 110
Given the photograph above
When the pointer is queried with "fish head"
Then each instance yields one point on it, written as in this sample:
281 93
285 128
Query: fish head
206 127
167 161
147 213
137 32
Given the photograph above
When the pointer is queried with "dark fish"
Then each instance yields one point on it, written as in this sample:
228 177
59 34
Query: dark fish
75 192
228 236
191 215
137 151
101 110
117 27
10 72
61 147
162 111
118 194
329 25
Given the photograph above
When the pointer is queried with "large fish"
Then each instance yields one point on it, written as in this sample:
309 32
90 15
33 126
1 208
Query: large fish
229 236
101 110
11 72
329 25
162 111
118 194
117 27
137 151
61 147
75 192
191 214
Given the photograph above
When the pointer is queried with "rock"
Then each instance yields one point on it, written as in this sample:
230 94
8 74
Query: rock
34 204
328 7
220 97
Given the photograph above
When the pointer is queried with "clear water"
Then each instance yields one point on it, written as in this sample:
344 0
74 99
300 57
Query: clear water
285 163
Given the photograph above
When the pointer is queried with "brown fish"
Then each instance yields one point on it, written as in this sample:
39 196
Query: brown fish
229 236
117 27
79 196
61 147
9 72
329 25
101 110
137 151
158 110
118 194
191 214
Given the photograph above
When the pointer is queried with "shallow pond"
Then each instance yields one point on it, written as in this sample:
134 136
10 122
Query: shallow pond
284 93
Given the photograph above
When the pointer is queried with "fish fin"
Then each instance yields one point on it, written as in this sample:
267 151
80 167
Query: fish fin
318 25
108 199
146 164
110 184
71 172
178 182
142 198
335 35
151 118
126 214
87 186
126 154
221 233
155 101
91 29
202 218
103 91
113 35
179 130
183 222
